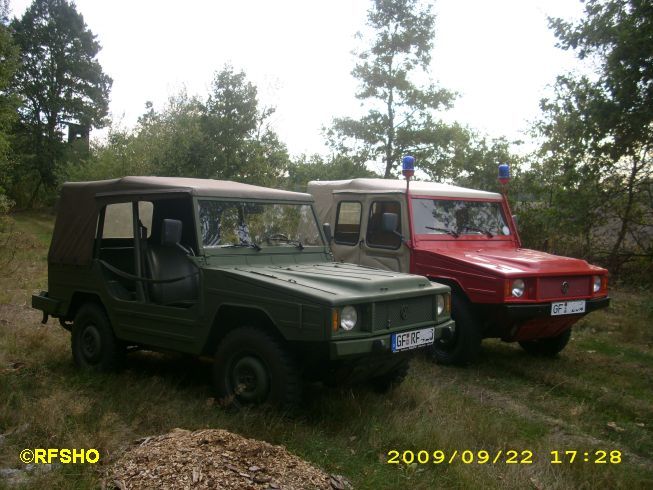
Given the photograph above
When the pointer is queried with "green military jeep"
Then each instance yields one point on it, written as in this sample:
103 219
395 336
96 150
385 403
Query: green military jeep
234 271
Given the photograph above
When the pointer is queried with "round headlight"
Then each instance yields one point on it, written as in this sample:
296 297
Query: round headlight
348 317
518 288
440 303
596 284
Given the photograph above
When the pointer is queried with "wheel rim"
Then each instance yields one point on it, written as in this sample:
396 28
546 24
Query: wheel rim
91 343
250 380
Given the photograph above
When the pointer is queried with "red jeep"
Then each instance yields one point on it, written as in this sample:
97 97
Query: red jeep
467 239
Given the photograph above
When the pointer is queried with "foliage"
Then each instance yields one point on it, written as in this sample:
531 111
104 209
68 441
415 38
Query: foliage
226 136
595 163
8 100
315 167
470 159
61 83
401 114
119 155
242 144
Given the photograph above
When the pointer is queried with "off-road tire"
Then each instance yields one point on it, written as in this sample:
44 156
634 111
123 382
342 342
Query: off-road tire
549 347
389 381
93 344
463 347
273 378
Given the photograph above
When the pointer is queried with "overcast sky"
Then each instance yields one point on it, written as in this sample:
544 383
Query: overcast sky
499 55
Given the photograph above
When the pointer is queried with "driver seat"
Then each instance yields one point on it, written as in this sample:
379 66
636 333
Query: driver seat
169 260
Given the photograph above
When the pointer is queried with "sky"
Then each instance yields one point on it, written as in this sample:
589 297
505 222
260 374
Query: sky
498 55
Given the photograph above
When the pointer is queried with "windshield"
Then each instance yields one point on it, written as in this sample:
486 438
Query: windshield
458 217
257 225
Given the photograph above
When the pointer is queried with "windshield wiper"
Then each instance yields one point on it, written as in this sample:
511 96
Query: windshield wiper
476 228
445 230
253 245
280 237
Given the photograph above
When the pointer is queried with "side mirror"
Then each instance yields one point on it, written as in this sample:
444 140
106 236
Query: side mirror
389 222
327 232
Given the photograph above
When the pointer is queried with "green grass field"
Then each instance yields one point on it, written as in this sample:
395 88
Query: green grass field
596 396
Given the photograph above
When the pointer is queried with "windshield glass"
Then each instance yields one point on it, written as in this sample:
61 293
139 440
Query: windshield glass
257 225
458 217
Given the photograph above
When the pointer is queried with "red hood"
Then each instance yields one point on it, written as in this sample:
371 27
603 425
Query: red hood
519 261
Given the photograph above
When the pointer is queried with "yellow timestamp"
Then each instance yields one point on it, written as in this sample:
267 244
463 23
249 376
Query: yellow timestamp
500 456
510 456
598 456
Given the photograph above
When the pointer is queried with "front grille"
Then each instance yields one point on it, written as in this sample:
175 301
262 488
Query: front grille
552 287
388 314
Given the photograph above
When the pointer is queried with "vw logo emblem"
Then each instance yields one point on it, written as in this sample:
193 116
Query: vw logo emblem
565 287
403 312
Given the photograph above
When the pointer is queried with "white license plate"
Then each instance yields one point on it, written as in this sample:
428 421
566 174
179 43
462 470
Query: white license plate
567 308
412 339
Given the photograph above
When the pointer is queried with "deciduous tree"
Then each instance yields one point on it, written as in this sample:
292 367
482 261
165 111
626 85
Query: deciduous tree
224 135
315 167
599 129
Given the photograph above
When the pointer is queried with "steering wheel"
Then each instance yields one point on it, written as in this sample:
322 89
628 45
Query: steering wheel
276 236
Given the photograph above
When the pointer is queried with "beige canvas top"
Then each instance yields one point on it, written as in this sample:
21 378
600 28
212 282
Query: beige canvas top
80 204
378 186
323 191
197 187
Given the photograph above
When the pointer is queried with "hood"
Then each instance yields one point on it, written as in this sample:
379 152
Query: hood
336 282
519 261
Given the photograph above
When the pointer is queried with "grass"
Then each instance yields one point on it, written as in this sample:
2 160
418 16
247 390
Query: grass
597 395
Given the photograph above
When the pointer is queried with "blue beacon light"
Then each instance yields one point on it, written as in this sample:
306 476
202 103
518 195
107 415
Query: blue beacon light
504 173
408 166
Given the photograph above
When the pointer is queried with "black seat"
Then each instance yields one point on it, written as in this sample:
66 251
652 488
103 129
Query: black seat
169 260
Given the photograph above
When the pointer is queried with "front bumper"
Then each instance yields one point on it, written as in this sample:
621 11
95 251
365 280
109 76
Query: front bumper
540 310
534 321
377 344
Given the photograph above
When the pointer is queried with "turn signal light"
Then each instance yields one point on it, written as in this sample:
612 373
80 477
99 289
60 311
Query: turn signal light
335 319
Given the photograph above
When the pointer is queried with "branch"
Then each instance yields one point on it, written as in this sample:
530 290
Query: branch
406 118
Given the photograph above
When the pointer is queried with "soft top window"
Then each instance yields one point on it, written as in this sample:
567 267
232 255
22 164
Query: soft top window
348 223
118 219
376 236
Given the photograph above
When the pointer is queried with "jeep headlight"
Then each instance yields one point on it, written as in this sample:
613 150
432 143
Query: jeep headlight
596 284
348 317
517 288
440 304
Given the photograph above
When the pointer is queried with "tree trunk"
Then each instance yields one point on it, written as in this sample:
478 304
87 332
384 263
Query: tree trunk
30 204
613 258
389 147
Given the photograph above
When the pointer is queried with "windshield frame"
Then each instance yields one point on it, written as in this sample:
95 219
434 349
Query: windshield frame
463 237
281 248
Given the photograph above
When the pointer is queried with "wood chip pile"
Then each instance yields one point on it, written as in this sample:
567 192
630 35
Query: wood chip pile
214 458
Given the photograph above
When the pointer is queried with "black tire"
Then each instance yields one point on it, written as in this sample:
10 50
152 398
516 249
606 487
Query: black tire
253 368
549 347
389 381
93 344
464 345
